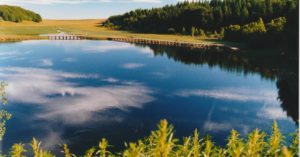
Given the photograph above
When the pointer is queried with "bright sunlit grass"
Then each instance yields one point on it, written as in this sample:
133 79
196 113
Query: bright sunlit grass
91 28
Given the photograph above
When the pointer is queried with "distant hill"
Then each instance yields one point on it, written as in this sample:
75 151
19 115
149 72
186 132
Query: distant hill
18 14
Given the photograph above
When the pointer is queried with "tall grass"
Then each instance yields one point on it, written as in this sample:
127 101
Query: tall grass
4 115
17 150
162 143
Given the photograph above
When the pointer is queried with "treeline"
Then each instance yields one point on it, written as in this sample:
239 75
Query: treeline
199 18
208 15
260 34
18 14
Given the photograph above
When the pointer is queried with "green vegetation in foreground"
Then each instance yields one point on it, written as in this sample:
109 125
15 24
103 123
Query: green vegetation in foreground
18 14
4 115
162 143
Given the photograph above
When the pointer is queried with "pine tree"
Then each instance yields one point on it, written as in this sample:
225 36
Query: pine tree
183 30
193 31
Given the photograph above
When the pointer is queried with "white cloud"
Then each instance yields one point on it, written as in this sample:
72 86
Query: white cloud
132 65
111 80
51 139
46 2
211 126
235 94
272 113
69 60
68 101
186 0
216 127
92 46
44 62
8 53
12 54
161 75
104 47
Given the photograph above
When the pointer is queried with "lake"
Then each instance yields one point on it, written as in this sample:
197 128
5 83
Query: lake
77 92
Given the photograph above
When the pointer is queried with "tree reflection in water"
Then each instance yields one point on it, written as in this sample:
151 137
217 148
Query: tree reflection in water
270 65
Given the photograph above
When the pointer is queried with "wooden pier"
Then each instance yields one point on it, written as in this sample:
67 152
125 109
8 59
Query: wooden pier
193 45
63 36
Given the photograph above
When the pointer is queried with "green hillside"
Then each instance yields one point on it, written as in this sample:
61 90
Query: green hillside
18 14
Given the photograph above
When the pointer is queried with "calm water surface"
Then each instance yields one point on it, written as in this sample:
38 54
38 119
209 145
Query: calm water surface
77 92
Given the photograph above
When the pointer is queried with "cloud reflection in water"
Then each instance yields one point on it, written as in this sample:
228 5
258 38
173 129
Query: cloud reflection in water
92 46
132 65
234 94
269 109
68 101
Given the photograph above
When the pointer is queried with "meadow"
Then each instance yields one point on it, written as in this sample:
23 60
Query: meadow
10 31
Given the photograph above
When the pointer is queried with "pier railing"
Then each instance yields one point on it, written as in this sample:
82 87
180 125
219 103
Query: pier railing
66 37
193 45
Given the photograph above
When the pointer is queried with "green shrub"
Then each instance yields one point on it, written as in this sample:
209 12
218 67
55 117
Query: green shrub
255 33
18 14
232 33
17 150
276 25
193 31
222 32
196 32
4 115
294 147
201 33
276 30
254 28
162 143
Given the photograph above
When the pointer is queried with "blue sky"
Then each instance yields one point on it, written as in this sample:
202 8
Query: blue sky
84 9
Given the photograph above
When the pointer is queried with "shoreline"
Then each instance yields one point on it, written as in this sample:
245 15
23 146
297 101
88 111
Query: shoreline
16 38
91 29
174 43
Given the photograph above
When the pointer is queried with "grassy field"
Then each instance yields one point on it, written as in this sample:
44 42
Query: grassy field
10 31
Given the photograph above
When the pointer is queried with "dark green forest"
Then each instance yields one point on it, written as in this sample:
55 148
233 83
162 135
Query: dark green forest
233 19
18 14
